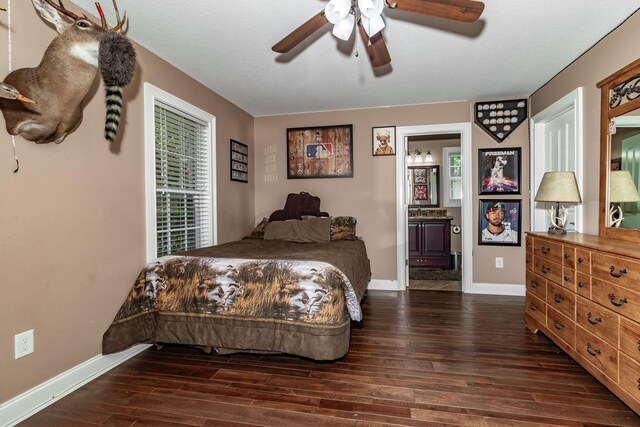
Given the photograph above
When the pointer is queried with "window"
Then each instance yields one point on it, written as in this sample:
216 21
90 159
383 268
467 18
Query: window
452 177
180 154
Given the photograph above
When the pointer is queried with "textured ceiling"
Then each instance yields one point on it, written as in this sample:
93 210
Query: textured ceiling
515 47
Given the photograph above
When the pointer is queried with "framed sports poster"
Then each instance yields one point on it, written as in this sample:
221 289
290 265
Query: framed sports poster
320 152
239 161
499 171
499 222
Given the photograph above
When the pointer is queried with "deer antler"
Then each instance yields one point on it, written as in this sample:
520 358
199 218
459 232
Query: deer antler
63 9
103 20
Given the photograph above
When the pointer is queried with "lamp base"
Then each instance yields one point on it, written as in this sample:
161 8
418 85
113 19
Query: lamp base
557 230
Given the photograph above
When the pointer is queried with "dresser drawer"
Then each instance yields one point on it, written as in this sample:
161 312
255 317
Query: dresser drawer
598 320
583 284
630 338
616 298
619 270
561 299
597 352
569 256
537 308
548 269
569 278
583 261
536 285
630 376
547 250
529 261
528 244
561 326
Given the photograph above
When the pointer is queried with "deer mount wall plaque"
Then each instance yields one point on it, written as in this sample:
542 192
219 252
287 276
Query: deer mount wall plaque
500 118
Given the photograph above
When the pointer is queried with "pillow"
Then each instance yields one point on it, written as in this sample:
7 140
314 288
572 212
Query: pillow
343 228
258 232
313 230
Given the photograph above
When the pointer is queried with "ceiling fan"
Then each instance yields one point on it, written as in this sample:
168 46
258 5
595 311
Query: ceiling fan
366 14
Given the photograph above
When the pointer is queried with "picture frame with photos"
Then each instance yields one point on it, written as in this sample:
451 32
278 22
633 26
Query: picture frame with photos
239 162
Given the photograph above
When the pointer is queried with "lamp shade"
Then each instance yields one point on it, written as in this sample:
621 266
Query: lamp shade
559 187
621 187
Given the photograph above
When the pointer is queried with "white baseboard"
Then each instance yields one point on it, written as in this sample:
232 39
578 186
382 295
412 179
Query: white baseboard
495 289
25 405
384 285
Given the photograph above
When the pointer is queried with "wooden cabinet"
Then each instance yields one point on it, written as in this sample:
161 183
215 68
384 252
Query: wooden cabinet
430 243
583 292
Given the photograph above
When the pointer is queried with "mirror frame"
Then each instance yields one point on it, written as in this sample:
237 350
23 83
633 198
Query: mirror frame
617 97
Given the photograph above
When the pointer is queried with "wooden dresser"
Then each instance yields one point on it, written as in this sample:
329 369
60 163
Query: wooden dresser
583 292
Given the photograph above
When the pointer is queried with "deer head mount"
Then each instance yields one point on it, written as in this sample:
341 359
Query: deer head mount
64 77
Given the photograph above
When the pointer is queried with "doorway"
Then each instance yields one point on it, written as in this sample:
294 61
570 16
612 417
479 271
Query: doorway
413 137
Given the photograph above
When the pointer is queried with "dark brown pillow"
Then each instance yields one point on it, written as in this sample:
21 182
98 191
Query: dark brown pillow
314 230
343 228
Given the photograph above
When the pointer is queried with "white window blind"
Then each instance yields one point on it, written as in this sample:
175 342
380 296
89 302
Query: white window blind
453 176
183 202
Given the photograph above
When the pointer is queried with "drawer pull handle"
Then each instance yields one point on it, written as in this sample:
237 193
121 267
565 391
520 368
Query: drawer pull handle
534 284
545 250
592 352
558 298
620 303
638 345
566 256
545 269
558 325
619 274
567 278
580 284
580 260
594 321
533 306
638 383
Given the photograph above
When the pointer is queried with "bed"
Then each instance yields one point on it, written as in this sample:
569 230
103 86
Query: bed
255 295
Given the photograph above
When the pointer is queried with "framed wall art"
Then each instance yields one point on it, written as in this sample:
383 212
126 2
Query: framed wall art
239 161
383 141
499 222
320 152
500 118
499 171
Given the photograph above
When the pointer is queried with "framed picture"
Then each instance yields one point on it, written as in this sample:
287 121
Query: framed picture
320 152
420 192
383 141
499 222
499 171
239 162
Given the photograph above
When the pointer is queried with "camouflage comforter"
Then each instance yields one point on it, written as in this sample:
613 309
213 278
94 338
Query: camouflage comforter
252 295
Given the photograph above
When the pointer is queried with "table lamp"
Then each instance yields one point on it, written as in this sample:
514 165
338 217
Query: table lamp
558 187
621 189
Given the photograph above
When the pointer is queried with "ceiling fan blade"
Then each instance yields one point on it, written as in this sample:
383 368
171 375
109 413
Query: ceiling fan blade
377 50
458 10
301 33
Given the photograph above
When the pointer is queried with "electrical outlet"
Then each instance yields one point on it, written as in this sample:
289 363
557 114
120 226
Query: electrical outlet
499 262
24 343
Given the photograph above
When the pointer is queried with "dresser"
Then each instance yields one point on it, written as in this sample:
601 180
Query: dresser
583 292
430 243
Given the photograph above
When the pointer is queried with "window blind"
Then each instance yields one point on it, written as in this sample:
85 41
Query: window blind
182 170
454 164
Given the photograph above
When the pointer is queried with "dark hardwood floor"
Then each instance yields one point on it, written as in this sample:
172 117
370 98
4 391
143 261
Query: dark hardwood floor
420 358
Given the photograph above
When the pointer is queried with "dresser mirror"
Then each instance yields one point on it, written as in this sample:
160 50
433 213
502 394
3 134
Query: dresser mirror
620 154
423 186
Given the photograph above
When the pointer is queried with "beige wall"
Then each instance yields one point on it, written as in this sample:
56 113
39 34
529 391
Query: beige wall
612 53
72 222
370 195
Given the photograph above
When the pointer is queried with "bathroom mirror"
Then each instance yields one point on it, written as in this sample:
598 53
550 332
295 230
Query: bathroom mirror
423 186
620 154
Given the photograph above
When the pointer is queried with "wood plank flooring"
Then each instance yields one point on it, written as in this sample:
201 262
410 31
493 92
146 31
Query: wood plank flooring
419 358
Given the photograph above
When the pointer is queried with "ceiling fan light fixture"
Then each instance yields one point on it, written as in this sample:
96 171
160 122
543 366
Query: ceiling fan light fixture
371 8
337 10
343 29
372 26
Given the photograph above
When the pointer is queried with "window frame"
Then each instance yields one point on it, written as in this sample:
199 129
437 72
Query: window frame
447 202
152 95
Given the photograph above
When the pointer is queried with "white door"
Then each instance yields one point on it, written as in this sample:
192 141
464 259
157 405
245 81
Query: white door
557 146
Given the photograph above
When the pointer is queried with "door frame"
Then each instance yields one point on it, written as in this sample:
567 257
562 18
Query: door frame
402 206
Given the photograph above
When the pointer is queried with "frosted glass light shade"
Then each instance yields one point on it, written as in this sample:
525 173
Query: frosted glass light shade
344 28
372 26
337 10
